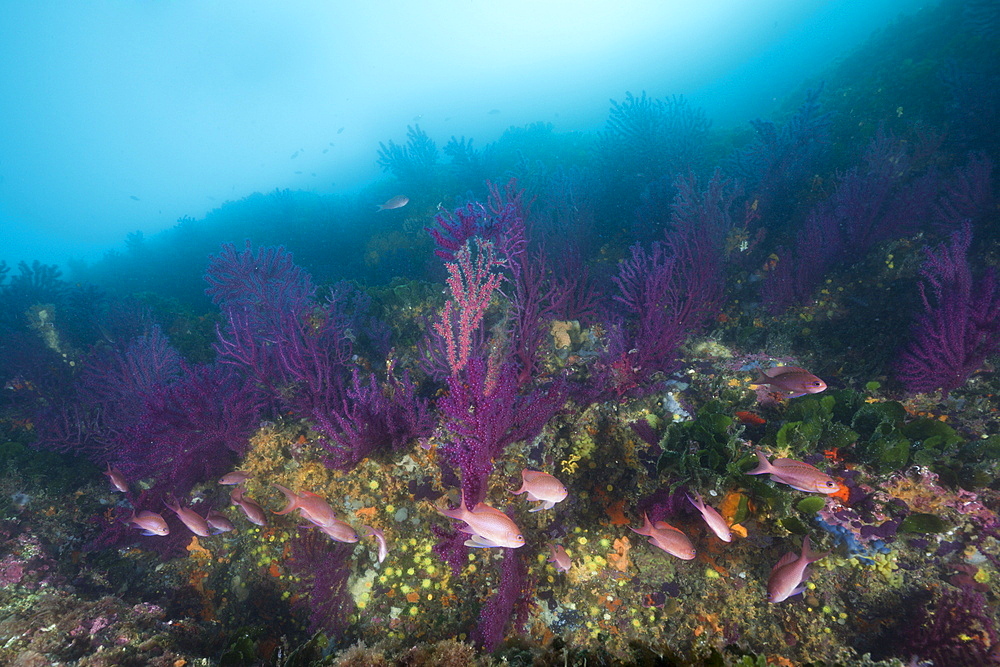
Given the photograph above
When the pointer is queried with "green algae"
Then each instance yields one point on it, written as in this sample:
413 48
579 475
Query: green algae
811 505
923 523
703 449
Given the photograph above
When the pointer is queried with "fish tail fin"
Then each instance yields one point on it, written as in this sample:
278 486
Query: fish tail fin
647 526
763 467
808 554
696 500
441 506
290 496
379 207
761 377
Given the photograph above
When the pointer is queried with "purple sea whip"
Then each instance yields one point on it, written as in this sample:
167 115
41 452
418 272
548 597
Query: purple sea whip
960 325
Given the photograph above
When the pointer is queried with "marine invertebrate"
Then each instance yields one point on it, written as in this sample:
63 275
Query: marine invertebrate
507 607
472 279
960 322
486 414
653 295
372 419
781 156
324 567
655 136
955 629
413 160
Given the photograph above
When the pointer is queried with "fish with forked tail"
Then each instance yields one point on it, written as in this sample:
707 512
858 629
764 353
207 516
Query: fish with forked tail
789 574
399 201
796 474
790 381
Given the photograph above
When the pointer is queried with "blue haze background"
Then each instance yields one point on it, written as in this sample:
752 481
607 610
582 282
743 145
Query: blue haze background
124 116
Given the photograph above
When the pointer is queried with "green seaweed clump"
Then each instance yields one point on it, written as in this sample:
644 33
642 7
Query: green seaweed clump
812 423
703 449
884 438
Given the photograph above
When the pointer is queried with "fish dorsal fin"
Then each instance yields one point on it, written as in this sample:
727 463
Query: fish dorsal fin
791 463
663 525
785 560
483 508
784 370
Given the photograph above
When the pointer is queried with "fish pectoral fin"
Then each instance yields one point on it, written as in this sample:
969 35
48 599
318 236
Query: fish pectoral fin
480 542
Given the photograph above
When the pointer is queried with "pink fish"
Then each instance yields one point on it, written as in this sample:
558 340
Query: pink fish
235 477
219 522
541 486
399 201
559 558
194 521
488 526
712 518
117 479
383 549
254 512
796 474
151 523
790 381
666 537
312 507
788 576
339 531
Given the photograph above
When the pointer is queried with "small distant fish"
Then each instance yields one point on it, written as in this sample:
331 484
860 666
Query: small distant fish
294 155
789 575
493 112
151 523
326 150
18 384
399 201
383 549
194 521
338 132
559 558
791 381
235 477
117 479
340 531
315 510
796 474
298 172
543 487
253 511
712 518
219 522
417 117
133 198
664 536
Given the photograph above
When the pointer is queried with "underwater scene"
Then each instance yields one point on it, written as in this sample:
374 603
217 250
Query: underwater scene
656 389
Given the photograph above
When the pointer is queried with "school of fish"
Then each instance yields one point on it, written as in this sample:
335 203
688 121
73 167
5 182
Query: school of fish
489 527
